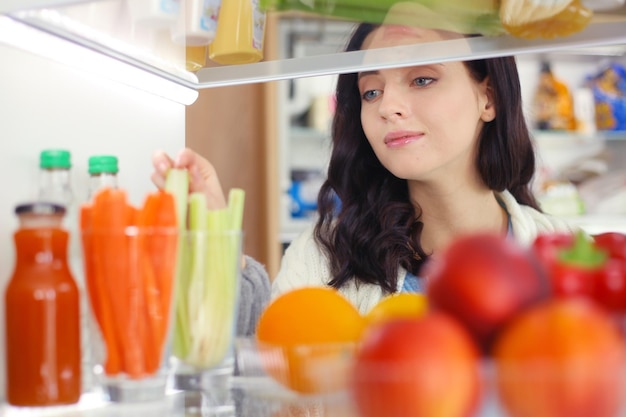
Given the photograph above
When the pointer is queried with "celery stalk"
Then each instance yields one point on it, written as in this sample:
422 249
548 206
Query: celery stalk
213 289
198 241
223 318
206 286
177 183
236 198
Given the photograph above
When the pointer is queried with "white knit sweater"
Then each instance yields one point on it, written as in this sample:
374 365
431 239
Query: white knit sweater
304 264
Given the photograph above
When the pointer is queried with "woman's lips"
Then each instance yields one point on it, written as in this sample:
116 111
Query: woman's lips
398 139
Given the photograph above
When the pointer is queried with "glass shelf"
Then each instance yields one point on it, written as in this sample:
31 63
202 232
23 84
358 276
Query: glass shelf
113 33
607 33
576 137
614 134
9 6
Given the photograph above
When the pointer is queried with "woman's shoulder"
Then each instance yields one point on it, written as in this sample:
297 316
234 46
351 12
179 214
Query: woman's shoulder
528 222
302 264
305 264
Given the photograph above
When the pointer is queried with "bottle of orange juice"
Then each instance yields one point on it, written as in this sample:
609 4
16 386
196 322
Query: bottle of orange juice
240 32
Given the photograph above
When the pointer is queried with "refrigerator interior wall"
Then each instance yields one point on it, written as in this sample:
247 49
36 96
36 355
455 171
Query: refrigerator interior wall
49 105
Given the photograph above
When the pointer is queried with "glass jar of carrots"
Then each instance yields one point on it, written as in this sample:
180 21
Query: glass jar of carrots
42 313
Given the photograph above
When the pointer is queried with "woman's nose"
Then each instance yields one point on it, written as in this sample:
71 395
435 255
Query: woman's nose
393 104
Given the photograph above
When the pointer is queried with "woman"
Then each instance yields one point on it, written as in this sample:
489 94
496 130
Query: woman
420 156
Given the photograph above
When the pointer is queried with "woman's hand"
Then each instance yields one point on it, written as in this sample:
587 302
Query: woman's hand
202 175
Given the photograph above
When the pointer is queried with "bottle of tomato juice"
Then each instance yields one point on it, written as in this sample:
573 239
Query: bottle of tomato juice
42 313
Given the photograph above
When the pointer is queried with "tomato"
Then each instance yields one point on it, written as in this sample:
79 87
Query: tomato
422 366
613 242
484 280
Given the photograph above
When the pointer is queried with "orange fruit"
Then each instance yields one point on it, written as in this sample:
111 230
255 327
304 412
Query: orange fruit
398 305
306 338
574 18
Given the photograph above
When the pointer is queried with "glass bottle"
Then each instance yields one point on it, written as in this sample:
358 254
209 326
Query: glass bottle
102 173
55 186
54 177
42 324
240 33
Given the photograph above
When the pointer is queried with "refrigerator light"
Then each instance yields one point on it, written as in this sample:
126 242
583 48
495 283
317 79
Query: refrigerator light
24 37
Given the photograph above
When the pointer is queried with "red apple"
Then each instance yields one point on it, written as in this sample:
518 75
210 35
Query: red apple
561 358
484 280
418 367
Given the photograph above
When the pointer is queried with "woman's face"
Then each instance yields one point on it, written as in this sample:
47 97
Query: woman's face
422 122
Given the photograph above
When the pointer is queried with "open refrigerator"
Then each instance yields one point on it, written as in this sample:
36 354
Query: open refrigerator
76 75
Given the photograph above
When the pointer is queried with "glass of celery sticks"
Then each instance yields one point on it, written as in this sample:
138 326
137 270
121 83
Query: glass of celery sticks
207 296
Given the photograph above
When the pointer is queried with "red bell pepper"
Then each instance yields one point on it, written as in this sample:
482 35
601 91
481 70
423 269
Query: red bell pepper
573 262
610 290
612 242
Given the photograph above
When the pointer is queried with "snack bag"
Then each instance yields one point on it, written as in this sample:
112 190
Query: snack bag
553 103
544 19
609 90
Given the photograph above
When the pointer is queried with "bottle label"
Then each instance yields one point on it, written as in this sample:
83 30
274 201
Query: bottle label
258 26
210 11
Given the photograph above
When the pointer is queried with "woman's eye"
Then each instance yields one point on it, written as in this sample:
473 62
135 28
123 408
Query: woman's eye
370 95
423 81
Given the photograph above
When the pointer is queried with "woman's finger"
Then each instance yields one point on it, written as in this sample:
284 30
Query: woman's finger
203 177
162 163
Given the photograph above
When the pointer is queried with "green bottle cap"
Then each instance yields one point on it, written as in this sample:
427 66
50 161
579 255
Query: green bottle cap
99 164
55 158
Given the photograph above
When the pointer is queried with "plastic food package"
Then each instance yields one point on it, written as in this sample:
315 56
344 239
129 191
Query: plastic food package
477 16
609 89
553 103
531 19
527 19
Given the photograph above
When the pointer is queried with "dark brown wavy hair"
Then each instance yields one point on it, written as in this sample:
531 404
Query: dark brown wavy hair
367 225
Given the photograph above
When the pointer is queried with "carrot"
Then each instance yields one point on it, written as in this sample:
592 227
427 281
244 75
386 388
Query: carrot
153 313
111 215
136 327
153 317
163 247
100 305
159 215
88 262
